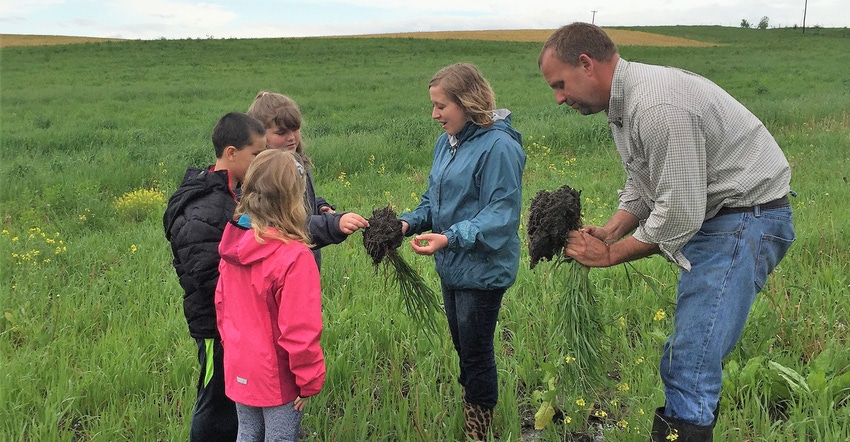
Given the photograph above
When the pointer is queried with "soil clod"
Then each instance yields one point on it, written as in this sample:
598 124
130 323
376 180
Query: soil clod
552 215
383 234
382 239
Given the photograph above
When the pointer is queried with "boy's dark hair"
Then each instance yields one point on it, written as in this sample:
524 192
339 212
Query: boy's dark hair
235 129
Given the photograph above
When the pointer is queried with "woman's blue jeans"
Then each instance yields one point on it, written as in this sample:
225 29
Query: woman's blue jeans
472 316
731 257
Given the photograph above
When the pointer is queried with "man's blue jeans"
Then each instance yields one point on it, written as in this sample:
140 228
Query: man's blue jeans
472 316
731 257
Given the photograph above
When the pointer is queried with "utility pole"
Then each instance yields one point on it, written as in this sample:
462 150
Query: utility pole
805 6
593 19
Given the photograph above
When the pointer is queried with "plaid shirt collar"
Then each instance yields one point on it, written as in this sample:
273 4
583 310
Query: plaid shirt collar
617 101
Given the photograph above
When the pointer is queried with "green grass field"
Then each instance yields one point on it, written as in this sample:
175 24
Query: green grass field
96 136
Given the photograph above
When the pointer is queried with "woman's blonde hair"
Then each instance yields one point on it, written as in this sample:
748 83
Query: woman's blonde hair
463 83
273 196
273 109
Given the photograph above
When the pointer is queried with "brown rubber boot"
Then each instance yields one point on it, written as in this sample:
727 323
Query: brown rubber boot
477 421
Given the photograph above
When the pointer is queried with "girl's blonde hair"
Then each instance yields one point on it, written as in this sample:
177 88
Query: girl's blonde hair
274 109
464 84
273 196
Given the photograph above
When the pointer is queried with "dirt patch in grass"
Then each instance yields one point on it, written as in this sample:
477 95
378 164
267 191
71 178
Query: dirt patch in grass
621 37
8 40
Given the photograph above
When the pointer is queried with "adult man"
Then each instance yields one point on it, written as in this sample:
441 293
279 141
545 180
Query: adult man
706 187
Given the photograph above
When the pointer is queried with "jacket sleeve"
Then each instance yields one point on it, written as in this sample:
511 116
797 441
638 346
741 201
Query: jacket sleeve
322 202
324 229
300 322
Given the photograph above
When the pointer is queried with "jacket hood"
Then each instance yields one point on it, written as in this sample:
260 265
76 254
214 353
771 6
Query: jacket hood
239 246
501 121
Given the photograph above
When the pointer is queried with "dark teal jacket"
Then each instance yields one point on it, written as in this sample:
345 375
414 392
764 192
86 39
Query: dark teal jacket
474 197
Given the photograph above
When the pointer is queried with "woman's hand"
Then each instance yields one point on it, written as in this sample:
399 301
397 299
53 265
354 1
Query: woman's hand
429 243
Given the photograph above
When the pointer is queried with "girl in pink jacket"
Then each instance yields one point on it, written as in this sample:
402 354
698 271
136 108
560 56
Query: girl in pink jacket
268 302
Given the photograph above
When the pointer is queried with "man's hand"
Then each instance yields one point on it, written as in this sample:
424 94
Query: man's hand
597 232
587 249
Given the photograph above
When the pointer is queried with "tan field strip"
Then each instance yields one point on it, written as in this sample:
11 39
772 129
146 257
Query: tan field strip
45 40
620 36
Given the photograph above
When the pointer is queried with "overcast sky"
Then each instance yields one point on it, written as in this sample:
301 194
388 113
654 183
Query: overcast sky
153 19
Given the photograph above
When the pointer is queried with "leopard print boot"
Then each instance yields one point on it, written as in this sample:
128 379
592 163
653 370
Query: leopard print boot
477 421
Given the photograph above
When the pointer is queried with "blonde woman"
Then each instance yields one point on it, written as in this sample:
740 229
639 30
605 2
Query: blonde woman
268 302
471 210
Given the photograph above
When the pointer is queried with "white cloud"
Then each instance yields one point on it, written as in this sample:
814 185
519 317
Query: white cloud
164 18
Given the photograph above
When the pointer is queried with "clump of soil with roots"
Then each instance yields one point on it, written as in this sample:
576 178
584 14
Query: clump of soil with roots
382 239
383 236
551 217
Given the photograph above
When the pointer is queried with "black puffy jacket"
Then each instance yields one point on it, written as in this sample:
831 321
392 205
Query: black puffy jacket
194 222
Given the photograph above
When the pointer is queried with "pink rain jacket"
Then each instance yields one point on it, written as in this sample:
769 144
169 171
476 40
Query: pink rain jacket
269 315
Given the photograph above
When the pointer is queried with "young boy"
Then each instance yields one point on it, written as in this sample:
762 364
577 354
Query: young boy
194 221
